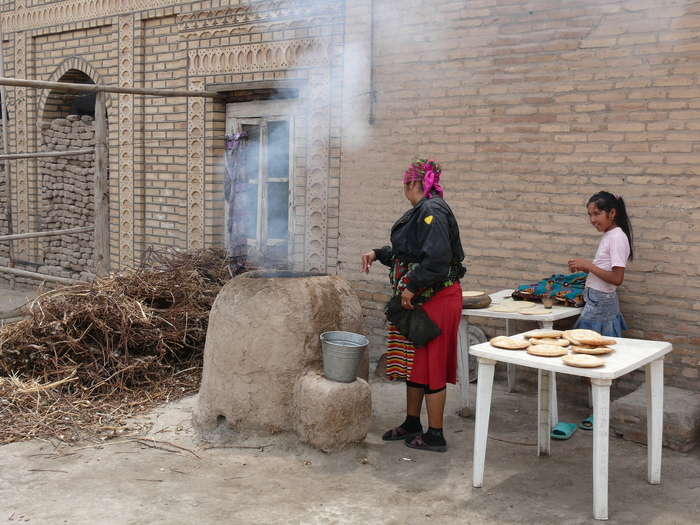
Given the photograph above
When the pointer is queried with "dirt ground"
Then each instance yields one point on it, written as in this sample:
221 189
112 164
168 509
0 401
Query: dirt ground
162 471
167 473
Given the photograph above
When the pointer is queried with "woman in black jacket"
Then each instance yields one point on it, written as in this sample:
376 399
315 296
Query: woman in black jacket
425 257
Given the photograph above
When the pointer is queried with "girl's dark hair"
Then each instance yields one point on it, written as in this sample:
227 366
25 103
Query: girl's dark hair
607 202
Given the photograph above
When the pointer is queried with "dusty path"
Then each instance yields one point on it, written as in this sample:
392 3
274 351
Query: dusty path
231 478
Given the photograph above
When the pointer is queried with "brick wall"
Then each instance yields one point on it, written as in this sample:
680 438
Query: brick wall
531 107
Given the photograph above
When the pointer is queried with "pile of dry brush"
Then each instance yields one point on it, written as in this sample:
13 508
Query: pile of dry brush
90 355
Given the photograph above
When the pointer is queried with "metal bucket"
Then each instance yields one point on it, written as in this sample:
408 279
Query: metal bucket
342 353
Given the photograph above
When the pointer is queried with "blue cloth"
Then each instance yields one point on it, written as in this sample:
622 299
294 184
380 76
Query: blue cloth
601 313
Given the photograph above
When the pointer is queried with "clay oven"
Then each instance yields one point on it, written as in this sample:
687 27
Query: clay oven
263 359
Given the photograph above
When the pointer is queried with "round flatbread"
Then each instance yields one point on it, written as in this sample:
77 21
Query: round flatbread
472 294
509 343
548 341
583 360
547 350
525 304
592 350
504 308
595 342
567 335
535 311
583 333
543 333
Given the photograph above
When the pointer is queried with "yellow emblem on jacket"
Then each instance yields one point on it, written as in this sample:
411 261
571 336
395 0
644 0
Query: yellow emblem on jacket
428 219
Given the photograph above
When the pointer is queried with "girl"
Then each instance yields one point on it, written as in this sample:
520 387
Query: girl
606 272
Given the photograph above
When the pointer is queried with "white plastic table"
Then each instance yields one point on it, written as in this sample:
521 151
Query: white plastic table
546 321
629 354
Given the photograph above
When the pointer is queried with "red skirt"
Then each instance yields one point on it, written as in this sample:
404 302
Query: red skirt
434 364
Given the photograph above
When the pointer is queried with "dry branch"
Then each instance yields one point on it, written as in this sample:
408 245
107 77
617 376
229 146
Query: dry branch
92 354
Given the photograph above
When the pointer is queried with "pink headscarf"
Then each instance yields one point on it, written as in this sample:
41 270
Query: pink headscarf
425 171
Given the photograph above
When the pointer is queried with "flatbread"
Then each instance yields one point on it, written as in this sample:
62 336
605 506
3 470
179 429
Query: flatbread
524 304
543 333
509 343
583 333
549 341
592 350
535 311
567 335
472 294
547 350
583 360
596 342
512 306
504 308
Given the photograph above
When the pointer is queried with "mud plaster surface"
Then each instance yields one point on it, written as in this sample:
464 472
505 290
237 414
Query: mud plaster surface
276 479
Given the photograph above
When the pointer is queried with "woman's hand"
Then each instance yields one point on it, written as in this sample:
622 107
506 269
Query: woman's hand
579 265
367 260
406 297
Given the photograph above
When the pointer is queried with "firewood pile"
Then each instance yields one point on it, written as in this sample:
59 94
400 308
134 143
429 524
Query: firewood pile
90 355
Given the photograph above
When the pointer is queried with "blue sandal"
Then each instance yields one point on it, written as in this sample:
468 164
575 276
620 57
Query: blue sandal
587 424
563 431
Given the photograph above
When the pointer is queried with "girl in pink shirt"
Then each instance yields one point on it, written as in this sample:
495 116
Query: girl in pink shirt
606 272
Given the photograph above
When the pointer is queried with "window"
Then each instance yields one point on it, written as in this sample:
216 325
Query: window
268 166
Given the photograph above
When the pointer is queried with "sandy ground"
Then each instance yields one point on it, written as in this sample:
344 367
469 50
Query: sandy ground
162 471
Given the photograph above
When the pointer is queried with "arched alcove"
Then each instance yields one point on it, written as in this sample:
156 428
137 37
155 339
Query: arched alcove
66 184
59 105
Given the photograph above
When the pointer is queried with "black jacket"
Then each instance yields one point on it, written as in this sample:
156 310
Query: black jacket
427 234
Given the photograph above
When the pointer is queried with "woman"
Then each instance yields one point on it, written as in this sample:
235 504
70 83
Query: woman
425 257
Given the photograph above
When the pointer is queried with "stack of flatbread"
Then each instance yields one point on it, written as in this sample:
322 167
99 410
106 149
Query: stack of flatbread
585 341
546 343
546 337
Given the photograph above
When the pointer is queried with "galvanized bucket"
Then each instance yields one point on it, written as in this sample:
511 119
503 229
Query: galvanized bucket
342 353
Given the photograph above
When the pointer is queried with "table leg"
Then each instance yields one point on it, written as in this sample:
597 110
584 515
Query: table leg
545 382
463 367
484 385
549 325
655 418
510 367
601 430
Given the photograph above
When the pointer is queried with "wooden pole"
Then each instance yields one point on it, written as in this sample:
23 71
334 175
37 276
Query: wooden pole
6 165
67 87
46 234
101 188
39 276
41 154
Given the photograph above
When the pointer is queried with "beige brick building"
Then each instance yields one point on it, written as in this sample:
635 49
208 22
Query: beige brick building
530 107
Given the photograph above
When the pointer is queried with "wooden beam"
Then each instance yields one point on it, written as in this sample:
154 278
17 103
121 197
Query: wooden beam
46 234
42 154
101 188
67 87
39 276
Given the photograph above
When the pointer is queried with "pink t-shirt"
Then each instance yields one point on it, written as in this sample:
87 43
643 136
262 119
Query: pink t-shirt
613 250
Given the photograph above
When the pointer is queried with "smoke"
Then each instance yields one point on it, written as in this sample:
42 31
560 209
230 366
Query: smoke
357 94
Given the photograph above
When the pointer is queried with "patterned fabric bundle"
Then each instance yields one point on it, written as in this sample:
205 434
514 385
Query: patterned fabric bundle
397 276
567 288
235 185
